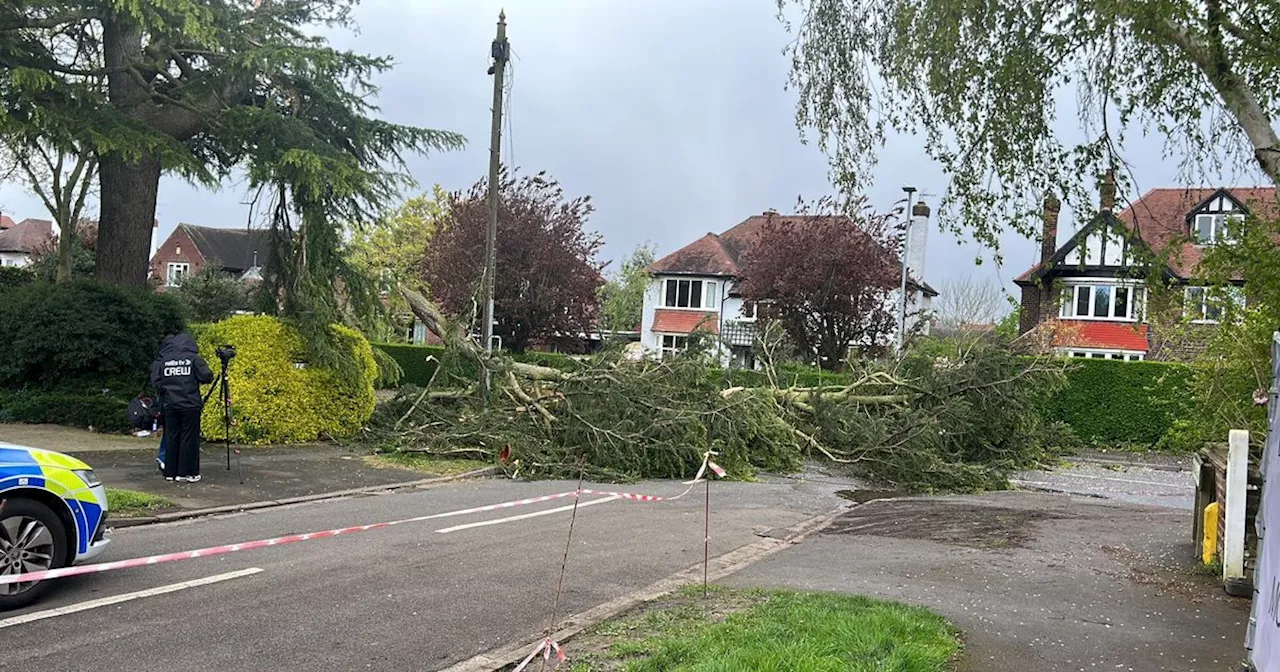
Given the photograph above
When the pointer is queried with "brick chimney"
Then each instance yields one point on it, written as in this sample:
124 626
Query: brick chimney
1107 191
1049 232
917 239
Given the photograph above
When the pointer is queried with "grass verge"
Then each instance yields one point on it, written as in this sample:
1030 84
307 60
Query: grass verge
767 630
425 464
131 503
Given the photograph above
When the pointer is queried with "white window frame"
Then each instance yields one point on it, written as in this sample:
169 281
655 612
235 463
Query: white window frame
1198 312
1102 353
677 344
1135 291
701 293
174 272
1218 222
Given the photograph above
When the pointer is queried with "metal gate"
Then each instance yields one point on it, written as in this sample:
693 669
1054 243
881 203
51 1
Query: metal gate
1263 637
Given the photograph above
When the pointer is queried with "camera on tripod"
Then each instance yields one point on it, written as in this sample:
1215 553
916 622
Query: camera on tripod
225 353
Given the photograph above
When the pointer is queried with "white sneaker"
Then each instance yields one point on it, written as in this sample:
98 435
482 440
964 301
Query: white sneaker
190 479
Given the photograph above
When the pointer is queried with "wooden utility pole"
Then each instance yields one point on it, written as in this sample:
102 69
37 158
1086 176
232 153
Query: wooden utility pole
500 54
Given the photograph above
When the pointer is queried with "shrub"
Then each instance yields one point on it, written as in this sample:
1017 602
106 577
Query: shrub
211 295
14 276
418 368
103 412
275 396
1111 402
77 333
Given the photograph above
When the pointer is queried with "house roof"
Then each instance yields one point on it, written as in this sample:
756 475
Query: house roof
723 254
672 321
6 222
231 249
1159 218
26 236
1105 335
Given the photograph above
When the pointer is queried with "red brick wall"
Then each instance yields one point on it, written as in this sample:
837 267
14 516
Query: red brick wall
176 248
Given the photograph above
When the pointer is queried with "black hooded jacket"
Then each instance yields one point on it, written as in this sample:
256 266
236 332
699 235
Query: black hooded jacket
178 372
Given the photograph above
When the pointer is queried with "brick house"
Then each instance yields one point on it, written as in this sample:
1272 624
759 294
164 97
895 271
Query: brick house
694 289
191 248
1093 290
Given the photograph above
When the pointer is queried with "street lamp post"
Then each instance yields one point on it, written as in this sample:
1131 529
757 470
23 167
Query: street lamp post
902 289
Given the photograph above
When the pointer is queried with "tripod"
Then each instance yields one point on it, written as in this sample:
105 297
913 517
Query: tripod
224 395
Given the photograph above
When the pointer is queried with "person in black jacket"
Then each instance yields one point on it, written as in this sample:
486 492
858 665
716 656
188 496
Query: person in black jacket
177 373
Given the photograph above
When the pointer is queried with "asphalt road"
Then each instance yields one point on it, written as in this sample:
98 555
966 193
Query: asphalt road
401 598
1148 485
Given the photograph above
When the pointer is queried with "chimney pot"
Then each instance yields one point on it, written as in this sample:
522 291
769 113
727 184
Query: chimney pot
920 210
1108 191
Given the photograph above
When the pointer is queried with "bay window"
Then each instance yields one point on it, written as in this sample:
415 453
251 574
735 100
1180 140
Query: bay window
1100 302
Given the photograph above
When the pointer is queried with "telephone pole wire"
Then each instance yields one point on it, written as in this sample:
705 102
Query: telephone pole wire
500 52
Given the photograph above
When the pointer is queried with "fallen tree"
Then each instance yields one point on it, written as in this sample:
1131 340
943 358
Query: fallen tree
958 416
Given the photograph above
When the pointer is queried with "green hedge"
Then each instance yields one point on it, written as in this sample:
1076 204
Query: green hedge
104 413
1111 402
418 368
276 395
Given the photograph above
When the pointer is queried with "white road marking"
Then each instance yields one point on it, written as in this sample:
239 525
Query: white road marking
524 516
117 599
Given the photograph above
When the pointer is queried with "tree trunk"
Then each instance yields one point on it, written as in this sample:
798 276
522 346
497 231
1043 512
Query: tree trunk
65 241
127 218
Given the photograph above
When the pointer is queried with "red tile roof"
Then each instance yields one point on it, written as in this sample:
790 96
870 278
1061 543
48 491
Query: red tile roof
669 321
1106 335
5 222
1159 218
26 236
723 254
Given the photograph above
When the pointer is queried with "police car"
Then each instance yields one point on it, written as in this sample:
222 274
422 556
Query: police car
53 513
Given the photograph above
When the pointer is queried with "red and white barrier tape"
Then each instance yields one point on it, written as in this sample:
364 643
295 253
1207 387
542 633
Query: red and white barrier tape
294 538
545 648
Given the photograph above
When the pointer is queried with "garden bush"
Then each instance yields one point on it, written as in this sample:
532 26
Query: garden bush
14 276
418 369
76 334
1111 402
103 412
276 397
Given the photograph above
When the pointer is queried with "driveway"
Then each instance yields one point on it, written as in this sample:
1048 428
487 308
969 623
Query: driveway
1038 580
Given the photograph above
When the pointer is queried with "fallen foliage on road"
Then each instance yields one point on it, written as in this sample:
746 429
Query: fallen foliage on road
951 417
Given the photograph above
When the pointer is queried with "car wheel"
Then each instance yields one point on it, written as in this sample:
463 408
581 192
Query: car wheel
32 539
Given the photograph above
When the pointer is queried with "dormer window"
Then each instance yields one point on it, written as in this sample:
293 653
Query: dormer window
681 293
1208 229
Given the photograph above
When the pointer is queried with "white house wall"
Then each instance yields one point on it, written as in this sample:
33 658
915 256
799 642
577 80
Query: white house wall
14 259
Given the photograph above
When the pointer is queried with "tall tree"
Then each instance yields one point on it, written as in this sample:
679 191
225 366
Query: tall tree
622 295
827 279
62 178
980 80
200 87
547 275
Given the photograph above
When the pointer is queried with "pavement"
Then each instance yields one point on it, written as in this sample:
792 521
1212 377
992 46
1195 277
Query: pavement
268 473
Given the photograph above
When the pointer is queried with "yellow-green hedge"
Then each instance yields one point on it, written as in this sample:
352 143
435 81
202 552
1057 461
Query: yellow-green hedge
273 399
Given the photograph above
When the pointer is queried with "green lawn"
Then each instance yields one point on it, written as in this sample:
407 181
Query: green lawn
741 631
131 503
426 464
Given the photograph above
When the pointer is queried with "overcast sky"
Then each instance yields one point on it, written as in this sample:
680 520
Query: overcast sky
672 115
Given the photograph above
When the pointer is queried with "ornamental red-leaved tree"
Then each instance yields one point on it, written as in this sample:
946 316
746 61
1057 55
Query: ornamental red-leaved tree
547 276
827 279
